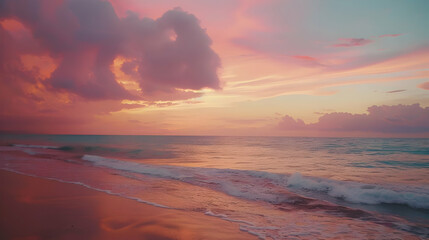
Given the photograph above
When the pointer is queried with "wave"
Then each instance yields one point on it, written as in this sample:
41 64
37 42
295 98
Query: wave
275 220
361 193
34 146
251 185
271 187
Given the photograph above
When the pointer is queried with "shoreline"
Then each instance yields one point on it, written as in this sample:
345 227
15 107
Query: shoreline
37 208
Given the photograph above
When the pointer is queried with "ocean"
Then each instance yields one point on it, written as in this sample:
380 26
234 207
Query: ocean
273 187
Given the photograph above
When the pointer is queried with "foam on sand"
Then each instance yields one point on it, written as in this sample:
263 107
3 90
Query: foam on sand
92 188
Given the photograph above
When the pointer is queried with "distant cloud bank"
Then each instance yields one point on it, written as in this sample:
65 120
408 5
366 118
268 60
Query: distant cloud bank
383 119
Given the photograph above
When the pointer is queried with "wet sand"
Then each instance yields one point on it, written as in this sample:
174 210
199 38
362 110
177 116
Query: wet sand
34 208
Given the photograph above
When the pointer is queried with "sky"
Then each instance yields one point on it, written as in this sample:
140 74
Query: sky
215 67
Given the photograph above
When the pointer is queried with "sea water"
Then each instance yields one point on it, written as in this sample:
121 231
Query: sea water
274 187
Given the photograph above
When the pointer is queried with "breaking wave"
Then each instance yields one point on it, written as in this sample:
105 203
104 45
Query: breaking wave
271 187
361 193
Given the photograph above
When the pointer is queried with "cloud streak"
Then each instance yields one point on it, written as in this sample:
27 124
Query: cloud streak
424 86
396 91
352 42
389 35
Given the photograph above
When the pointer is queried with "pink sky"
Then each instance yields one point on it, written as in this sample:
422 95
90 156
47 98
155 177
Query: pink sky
292 68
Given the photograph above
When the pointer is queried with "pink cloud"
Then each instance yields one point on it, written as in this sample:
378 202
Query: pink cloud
381 119
187 62
424 85
352 42
389 35
305 58
85 36
288 123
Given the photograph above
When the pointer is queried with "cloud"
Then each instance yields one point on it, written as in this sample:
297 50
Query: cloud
396 91
325 111
186 63
305 58
308 60
168 58
170 53
134 121
352 42
389 35
424 85
381 119
288 123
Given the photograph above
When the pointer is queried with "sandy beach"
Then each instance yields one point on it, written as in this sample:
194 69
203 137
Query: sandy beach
34 208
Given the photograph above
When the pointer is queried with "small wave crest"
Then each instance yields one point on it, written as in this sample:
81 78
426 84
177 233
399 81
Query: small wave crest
34 146
360 193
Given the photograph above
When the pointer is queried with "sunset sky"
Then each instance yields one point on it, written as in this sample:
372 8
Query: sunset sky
215 67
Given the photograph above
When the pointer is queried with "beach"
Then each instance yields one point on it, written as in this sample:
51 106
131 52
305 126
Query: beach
164 187
200 120
34 208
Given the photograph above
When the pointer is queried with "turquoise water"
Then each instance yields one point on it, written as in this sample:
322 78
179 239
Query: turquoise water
382 182
363 159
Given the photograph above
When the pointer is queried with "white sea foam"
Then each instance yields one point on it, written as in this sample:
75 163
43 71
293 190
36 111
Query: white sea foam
245 226
270 187
34 146
93 188
158 171
26 150
251 185
254 233
225 217
360 193
247 185
7 148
